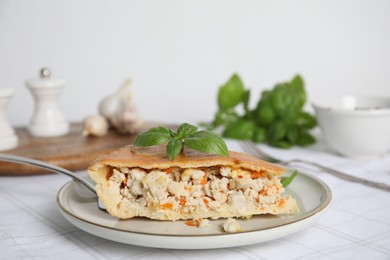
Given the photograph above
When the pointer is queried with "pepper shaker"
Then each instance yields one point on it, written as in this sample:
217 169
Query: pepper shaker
48 119
8 138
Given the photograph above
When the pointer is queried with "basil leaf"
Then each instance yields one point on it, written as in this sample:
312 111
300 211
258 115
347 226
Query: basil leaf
298 89
281 144
186 129
307 120
293 133
243 129
264 114
231 93
278 99
260 135
305 139
227 116
154 136
291 117
245 101
277 131
208 142
222 118
285 181
173 148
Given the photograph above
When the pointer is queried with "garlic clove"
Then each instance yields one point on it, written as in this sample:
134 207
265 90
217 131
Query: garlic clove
95 125
109 105
124 92
120 111
129 125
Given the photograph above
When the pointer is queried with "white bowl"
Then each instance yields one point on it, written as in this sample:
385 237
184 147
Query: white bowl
355 126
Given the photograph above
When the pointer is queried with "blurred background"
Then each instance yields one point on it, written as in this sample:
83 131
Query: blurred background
178 53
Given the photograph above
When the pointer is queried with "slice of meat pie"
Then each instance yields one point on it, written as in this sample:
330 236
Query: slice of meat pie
144 182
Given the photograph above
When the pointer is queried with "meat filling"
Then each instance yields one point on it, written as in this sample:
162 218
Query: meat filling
194 191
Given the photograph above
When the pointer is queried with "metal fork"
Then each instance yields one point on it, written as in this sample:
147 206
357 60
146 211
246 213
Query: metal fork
46 166
253 149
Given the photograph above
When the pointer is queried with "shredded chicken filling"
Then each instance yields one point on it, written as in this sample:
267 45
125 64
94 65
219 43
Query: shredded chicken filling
190 190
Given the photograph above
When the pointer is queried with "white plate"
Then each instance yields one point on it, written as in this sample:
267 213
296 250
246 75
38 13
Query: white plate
313 197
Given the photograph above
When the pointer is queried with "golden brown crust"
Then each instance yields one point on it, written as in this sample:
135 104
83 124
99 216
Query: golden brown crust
156 158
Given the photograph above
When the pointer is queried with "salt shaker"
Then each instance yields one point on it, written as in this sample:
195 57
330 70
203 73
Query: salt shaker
48 119
8 138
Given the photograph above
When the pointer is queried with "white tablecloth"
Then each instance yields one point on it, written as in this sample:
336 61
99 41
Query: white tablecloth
355 226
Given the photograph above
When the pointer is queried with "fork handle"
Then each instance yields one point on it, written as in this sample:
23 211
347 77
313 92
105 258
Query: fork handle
46 166
341 175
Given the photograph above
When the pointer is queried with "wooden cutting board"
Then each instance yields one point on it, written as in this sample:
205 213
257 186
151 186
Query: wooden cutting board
72 151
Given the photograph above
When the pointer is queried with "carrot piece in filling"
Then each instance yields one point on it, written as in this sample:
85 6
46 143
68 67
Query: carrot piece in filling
166 206
282 202
192 223
264 191
256 175
182 201
204 179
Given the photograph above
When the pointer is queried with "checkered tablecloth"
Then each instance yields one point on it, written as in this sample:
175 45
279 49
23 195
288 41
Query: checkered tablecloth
355 226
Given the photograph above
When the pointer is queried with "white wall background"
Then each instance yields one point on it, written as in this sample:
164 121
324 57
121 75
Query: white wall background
179 52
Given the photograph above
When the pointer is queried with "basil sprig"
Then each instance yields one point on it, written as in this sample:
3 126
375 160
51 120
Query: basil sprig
186 135
278 118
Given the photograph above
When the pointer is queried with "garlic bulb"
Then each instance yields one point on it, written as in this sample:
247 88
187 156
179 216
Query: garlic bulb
95 125
119 109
